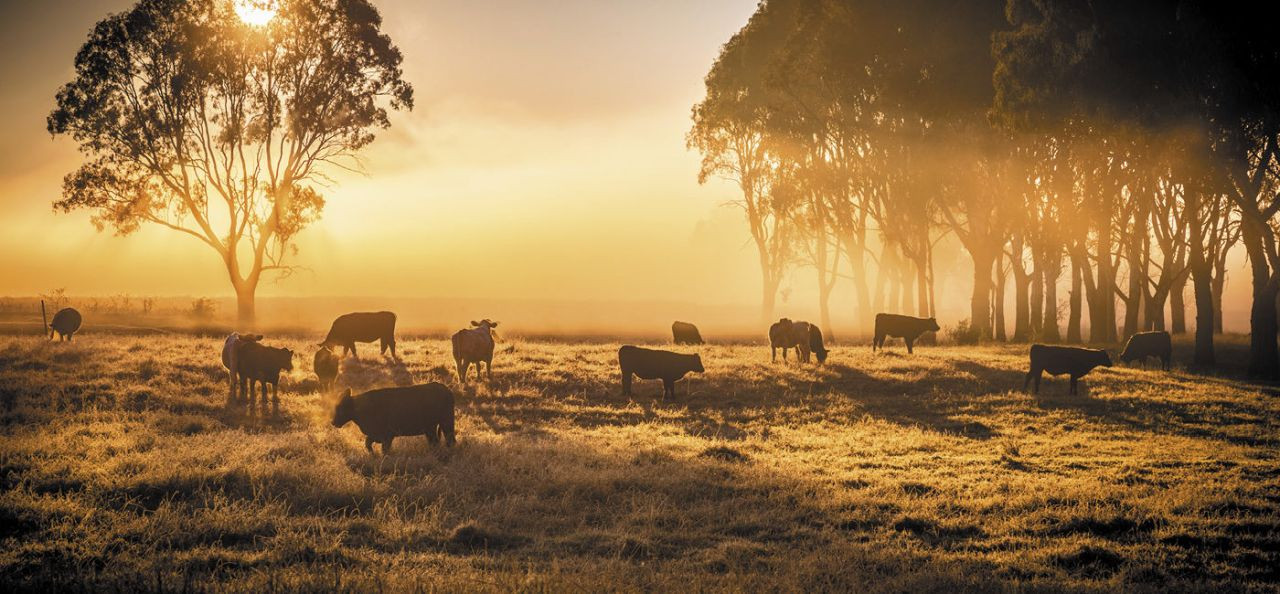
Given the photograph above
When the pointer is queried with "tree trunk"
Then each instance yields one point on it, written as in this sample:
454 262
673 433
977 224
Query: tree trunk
998 298
1153 316
980 304
859 266
1049 327
908 288
769 288
1264 357
1178 306
1201 271
881 276
1219 285
1037 296
246 306
1077 293
923 298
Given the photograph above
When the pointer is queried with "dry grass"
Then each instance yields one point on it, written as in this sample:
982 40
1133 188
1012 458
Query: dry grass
122 468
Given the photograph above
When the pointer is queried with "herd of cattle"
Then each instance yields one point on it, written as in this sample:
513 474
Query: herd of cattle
427 409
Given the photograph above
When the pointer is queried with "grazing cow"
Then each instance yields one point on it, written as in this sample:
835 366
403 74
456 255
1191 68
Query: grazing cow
1148 344
815 344
257 362
788 334
905 327
656 364
779 338
385 414
685 333
230 358
1057 360
326 365
351 328
65 324
474 345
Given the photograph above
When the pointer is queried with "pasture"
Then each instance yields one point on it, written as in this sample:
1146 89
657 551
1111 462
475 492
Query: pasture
123 467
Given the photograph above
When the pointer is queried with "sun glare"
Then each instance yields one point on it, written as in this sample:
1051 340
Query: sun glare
255 12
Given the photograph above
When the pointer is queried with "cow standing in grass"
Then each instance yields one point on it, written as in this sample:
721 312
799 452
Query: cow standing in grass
474 345
816 345
1148 344
351 328
231 358
656 364
685 333
788 334
906 327
262 364
1058 360
385 414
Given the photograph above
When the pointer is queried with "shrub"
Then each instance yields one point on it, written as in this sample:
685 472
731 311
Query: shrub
964 333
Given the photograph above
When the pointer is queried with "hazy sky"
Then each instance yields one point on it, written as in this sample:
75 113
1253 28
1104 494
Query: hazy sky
545 158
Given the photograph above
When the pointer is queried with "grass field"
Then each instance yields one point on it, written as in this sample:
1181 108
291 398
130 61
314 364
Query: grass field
123 468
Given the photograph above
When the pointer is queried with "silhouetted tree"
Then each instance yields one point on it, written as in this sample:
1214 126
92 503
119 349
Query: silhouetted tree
195 121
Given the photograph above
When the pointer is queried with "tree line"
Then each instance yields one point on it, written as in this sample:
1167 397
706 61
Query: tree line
1116 151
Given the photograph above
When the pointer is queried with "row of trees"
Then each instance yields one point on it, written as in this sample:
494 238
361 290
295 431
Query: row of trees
1117 151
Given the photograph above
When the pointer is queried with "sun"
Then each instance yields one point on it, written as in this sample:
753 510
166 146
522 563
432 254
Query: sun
255 12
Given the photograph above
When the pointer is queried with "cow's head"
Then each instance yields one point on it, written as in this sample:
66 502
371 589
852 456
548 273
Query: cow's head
284 359
697 364
485 323
345 411
1103 359
933 325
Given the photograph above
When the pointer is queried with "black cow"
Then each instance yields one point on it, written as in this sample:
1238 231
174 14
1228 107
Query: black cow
256 362
655 364
685 333
65 324
385 414
1148 344
905 327
815 344
351 328
1057 360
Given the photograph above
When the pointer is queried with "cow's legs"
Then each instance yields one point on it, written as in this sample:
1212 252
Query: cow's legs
668 387
462 375
773 353
368 444
265 400
488 367
1074 389
386 445
910 343
626 382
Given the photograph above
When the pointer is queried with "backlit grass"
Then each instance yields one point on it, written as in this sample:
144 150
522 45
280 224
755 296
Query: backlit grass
123 467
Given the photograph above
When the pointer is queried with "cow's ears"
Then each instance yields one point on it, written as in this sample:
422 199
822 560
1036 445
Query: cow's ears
493 324
346 395
475 323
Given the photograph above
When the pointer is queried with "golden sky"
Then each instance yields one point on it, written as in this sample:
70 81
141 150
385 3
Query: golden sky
545 158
